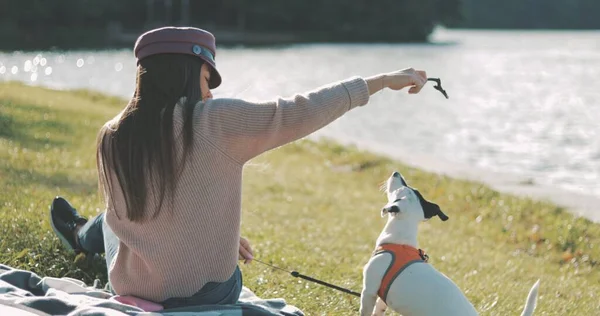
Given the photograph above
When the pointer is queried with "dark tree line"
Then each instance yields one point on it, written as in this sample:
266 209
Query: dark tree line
41 24
531 14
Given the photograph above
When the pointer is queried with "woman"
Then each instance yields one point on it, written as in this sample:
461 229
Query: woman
170 168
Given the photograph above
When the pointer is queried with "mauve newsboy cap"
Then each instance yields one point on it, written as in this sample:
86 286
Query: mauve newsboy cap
180 40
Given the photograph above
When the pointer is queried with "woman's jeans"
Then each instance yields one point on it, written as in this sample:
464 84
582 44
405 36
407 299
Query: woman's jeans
96 237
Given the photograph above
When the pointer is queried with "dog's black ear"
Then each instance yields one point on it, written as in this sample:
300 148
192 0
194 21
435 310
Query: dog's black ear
430 209
390 209
433 210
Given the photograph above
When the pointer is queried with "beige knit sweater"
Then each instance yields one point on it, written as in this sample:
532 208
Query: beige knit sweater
197 241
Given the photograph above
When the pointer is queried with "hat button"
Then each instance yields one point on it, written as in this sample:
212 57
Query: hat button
197 49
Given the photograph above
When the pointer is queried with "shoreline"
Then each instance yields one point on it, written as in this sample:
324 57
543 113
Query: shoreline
576 203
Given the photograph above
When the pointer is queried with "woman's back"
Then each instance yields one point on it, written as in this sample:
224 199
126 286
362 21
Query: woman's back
192 240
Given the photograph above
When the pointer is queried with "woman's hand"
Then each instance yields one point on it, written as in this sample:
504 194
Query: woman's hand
398 80
246 252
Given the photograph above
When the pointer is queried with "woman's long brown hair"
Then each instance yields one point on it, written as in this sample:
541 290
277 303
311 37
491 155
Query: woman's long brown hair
139 147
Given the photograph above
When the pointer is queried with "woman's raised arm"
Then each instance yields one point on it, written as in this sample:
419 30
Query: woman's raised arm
245 129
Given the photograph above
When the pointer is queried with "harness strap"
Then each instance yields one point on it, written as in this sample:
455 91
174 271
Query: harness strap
402 257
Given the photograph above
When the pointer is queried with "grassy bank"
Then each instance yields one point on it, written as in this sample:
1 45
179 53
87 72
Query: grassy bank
310 207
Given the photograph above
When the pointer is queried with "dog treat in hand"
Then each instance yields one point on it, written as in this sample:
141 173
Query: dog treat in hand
438 86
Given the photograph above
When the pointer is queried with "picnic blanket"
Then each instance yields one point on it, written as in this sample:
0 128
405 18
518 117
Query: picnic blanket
23 293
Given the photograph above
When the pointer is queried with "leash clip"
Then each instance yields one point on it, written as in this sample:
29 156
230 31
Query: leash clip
423 255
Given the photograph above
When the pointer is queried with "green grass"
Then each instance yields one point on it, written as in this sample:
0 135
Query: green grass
310 207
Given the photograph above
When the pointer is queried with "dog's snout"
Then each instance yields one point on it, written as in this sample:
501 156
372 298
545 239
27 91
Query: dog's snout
397 176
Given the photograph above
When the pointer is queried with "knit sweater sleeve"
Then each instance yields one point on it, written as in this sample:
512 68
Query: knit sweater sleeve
243 130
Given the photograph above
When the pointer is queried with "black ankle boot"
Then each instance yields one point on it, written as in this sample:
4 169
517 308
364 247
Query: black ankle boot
64 219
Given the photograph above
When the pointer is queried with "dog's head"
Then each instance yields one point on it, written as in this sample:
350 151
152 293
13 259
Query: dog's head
407 202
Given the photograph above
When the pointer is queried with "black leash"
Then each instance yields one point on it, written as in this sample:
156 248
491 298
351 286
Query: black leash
305 277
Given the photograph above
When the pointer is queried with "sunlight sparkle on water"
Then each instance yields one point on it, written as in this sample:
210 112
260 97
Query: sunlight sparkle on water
14 70
27 66
80 63
48 71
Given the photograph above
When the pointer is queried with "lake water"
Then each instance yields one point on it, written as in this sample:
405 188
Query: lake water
524 107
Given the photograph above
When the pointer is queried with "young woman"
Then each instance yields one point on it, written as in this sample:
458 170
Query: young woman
170 168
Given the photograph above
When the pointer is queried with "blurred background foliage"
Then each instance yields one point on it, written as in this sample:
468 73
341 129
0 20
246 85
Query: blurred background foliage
67 24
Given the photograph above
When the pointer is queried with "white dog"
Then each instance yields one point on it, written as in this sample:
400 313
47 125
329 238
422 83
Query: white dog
398 275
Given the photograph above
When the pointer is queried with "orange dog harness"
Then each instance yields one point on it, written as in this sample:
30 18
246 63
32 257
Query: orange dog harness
402 257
